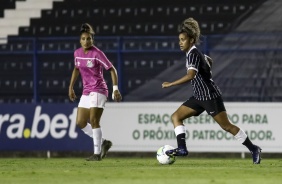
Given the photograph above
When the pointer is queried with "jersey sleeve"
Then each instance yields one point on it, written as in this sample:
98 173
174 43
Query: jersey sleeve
104 61
193 61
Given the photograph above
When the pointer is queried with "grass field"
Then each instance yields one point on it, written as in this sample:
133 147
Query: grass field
138 170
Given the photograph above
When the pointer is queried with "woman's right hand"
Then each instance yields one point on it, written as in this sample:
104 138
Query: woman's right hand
166 84
72 95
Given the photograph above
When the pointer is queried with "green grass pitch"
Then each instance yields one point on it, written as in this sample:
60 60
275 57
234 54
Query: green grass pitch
138 171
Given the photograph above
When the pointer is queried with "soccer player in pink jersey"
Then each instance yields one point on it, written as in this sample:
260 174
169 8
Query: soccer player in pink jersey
89 63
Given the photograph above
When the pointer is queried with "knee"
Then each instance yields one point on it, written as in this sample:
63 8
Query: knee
95 122
81 123
175 118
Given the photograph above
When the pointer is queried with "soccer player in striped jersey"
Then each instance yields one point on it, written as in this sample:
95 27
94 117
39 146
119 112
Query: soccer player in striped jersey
206 94
89 63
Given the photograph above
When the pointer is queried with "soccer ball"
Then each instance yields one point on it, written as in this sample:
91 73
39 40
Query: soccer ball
162 157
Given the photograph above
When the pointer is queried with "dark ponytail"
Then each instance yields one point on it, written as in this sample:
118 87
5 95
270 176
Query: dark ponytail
86 28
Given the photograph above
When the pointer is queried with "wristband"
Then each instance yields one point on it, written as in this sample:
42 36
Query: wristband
115 87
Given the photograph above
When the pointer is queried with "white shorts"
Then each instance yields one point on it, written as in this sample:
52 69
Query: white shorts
92 100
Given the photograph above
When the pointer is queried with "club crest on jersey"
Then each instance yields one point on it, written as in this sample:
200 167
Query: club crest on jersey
89 64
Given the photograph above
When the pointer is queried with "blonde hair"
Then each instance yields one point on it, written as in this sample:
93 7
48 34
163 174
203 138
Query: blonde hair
191 27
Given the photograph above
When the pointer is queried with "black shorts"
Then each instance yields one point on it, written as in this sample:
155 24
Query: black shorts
213 107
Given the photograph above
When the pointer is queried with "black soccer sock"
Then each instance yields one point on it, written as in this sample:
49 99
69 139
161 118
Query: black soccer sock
249 144
181 143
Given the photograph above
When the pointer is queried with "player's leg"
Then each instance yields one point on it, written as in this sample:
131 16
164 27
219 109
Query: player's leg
177 118
101 146
217 110
95 116
82 117
222 119
83 114
186 110
81 121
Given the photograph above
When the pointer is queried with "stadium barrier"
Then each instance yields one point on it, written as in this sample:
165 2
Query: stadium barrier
119 49
135 127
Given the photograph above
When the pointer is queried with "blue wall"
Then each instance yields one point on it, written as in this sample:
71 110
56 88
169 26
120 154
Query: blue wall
41 127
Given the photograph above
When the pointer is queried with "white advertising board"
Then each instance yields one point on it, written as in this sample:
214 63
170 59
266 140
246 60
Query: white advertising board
146 126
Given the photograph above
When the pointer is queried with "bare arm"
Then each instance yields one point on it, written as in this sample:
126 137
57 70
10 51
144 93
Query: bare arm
114 76
74 76
116 94
188 77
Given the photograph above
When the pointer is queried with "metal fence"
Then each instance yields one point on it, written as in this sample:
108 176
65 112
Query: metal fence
122 51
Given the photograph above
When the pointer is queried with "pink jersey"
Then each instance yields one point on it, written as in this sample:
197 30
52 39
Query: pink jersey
91 67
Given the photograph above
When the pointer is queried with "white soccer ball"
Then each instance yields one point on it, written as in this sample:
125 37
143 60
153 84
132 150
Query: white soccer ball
162 157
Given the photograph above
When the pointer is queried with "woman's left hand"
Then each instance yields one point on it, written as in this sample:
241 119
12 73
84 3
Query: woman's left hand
116 96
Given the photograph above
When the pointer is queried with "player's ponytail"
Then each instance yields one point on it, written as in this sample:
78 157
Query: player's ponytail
86 28
191 27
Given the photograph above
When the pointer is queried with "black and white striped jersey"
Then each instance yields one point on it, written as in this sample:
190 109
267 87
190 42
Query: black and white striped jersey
204 87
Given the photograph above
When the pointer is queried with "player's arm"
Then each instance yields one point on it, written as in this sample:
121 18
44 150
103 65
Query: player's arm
116 94
188 77
74 76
